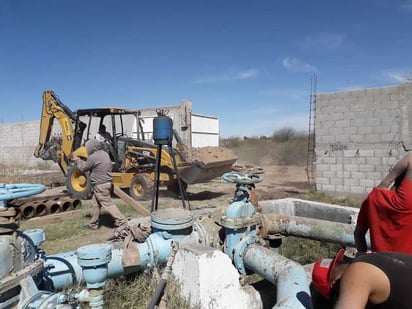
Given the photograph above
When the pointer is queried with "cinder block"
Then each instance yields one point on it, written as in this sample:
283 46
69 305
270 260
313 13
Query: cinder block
388 137
329 188
381 153
367 183
337 130
358 189
322 181
351 182
322 167
328 174
336 181
366 168
336 167
342 174
358 175
342 189
375 175
351 167
373 160
327 160
350 153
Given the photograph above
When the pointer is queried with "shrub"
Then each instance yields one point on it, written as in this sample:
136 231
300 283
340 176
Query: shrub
283 135
286 147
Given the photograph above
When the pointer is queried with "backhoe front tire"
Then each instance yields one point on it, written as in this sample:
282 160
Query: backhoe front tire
78 183
141 187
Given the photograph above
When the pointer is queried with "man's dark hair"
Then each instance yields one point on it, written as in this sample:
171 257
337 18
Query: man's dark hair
334 291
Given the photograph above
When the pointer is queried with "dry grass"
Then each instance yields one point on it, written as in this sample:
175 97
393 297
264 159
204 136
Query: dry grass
285 147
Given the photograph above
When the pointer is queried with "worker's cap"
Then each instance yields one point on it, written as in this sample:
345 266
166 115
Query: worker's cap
322 271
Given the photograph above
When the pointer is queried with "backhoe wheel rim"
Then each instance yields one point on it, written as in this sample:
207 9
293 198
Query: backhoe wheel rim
78 181
137 189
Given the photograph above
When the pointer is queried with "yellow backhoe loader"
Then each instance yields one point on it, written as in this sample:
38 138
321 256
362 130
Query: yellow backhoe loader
133 158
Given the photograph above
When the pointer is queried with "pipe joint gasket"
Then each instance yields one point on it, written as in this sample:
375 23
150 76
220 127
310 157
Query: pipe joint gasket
240 222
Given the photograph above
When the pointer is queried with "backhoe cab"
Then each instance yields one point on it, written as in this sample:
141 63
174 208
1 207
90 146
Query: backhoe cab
133 157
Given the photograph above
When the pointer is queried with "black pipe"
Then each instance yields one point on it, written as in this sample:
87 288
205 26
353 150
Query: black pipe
158 293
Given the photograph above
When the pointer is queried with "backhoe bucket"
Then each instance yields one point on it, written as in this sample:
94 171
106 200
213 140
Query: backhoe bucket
206 163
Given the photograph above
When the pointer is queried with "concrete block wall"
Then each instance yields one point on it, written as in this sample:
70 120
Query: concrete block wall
360 135
18 141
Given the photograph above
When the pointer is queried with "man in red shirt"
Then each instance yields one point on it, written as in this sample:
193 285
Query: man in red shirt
387 213
379 279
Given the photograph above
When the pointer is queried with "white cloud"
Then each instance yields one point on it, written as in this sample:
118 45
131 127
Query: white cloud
296 65
407 5
324 40
351 88
397 76
286 93
229 76
265 125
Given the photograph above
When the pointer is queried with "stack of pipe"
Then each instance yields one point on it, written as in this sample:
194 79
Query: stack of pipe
33 208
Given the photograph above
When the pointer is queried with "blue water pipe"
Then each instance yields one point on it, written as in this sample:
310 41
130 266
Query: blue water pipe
289 277
168 225
15 191
63 270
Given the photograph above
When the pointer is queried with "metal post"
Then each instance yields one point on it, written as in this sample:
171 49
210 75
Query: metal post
155 198
179 182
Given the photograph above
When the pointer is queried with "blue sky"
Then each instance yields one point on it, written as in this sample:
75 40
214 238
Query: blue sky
249 63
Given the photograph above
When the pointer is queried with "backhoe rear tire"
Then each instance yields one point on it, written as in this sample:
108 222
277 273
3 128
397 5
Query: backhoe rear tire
78 183
141 187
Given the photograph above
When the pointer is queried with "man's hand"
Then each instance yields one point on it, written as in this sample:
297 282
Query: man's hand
73 157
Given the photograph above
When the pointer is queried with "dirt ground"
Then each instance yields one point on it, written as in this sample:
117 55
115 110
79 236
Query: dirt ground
282 181
278 182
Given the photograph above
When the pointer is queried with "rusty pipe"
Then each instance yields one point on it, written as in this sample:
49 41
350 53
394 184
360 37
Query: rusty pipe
53 206
66 205
18 215
76 203
40 208
27 211
320 230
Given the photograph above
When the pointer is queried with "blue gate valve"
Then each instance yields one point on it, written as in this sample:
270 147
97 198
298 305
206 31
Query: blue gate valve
241 219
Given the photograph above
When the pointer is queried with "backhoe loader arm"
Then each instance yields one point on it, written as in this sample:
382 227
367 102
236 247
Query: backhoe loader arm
55 148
